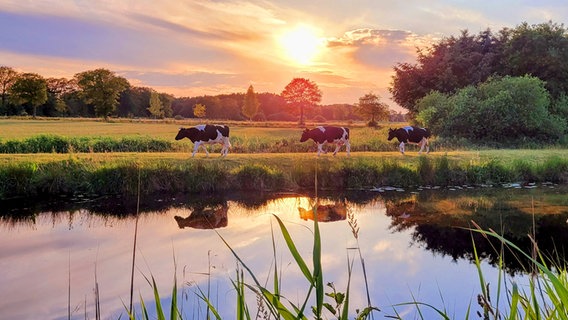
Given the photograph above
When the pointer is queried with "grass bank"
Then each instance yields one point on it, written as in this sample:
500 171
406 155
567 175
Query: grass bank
75 135
24 175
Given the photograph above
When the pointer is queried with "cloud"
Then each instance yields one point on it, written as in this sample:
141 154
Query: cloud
380 48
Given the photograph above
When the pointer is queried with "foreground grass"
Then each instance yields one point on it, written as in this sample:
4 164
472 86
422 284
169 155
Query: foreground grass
23 175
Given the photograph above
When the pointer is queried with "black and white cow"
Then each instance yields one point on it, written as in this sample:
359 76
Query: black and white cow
204 134
411 134
334 135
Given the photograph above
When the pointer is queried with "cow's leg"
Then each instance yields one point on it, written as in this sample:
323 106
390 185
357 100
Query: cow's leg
422 143
227 145
401 147
225 148
205 148
427 146
337 146
348 147
320 149
195 148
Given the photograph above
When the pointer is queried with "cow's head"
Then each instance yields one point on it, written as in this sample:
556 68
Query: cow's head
305 135
190 133
182 133
392 134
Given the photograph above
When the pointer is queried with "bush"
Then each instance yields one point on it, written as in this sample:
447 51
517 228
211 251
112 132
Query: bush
372 124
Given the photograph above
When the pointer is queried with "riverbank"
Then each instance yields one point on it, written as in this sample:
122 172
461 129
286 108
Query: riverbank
28 175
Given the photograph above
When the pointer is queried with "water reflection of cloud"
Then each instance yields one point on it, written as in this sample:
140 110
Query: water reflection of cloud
397 266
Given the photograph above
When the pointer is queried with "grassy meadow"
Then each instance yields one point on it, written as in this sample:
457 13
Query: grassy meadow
269 157
88 156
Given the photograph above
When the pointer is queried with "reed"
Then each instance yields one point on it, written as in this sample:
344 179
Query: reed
546 296
117 173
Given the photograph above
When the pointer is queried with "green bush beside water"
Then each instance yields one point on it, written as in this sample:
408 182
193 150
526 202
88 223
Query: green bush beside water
286 173
60 144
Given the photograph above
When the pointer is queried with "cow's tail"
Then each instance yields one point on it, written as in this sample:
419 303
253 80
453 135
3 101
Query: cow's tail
428 134
347 131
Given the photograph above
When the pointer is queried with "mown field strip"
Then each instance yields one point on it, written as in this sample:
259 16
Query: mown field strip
504 156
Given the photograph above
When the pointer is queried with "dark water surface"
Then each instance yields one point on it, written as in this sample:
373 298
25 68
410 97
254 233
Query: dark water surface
415 245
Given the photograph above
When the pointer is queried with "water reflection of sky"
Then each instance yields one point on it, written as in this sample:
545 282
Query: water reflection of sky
39 260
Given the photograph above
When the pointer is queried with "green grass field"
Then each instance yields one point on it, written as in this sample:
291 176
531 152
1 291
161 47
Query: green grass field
266 157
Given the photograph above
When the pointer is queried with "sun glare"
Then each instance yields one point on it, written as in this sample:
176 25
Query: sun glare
301 44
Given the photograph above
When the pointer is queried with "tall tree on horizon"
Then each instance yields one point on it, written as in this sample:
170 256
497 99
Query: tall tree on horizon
250 106
371 106
155 105
302 93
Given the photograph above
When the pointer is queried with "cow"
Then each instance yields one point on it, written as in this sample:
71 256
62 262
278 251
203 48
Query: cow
205 218
411 134
204 134
334 135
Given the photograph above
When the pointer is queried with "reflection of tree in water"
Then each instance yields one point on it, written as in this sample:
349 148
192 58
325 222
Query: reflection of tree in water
438 219
440 223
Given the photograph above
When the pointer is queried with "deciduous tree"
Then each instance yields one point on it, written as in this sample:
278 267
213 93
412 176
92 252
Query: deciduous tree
301 93
58 91
30 89
199 110
7 78
101 88
370 106
540 50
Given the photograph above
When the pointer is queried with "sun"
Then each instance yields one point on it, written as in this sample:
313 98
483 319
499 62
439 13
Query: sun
301 44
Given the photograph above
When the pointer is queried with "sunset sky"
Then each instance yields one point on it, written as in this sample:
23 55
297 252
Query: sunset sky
191 48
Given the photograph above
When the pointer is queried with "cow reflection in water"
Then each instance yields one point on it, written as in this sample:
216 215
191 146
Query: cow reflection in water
325 213
205 218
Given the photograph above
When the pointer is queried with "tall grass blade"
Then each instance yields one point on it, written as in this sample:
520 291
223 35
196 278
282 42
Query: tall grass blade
318 272
134 244
263 292
276 279
174 313
345 313
442 314
159 310
242 311
294 251
559 287
210 307
69 288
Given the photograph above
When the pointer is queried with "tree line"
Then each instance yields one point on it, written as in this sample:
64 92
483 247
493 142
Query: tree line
102 93
505 87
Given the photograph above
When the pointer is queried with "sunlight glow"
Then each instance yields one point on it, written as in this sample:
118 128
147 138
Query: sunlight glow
301 44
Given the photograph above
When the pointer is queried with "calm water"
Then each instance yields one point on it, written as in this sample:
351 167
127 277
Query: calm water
411 242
